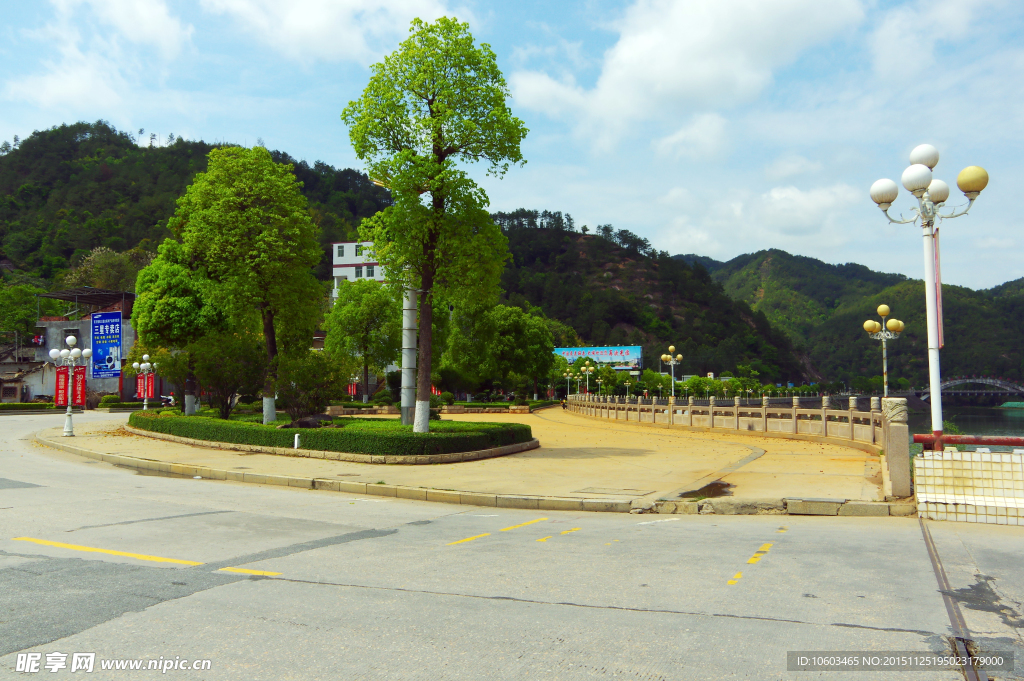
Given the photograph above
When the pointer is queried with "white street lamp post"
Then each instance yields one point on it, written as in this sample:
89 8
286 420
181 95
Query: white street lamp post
884 331
672 362
69 357
145 368
931 194
587 370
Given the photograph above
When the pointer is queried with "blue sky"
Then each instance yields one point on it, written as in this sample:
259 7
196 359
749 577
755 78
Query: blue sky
717 128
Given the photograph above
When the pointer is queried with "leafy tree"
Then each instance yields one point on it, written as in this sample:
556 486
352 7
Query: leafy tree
247 227
229 365
365 326
18 310
521 345
308 381
106 269
438 101
173 309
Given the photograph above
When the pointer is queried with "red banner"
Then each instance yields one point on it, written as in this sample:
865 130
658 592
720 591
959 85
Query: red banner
78 386
150 385
140 385
60 390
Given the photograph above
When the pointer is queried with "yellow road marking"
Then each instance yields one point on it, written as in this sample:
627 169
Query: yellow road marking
735 578
575 529
531 522
249 572
546 538
760 553
781 529
462 541
90 549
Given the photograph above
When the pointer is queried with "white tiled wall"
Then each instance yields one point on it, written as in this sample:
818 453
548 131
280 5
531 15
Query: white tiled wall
973 487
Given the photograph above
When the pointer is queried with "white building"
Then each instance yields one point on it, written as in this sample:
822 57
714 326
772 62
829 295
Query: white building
352 262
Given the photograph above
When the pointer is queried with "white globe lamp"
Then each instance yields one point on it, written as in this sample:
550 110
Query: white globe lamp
87 353
939 191
926 155
65 353
916 179
54 354
884 192
71 340
75 353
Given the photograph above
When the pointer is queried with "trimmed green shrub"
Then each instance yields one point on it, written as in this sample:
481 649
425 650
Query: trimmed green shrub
130 405
355 435
28 406
448 398
435 401
108 399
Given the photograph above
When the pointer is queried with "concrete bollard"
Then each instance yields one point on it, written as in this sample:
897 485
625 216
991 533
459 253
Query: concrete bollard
764 401
826 402
853 403
876 404
296 440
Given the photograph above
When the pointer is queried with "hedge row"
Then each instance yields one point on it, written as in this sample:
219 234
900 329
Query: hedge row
128 405
18 406
356 436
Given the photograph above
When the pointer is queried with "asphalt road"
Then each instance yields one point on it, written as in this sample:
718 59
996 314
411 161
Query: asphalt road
274 583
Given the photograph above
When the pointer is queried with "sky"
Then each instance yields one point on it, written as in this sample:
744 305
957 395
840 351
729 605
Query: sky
716 128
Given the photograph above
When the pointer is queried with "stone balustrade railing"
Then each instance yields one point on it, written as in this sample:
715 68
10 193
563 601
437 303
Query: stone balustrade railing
883 429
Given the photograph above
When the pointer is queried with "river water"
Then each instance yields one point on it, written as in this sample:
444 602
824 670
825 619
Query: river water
974 421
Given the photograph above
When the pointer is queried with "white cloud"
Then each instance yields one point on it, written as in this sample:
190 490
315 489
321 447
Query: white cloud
329 29
144 22
790 165
904 43
792 211
704 136
688 53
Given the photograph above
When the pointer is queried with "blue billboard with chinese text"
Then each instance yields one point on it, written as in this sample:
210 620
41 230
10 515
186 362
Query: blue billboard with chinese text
106 344
625 356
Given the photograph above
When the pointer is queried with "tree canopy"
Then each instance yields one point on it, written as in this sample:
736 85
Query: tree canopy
437 101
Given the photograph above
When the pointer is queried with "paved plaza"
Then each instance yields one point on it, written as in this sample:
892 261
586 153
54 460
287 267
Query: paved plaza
274 583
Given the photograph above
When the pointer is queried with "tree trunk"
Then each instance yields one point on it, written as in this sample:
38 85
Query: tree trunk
269 382
366 379
421 423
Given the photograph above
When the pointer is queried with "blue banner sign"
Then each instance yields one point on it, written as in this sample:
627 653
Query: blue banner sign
628 354
106 344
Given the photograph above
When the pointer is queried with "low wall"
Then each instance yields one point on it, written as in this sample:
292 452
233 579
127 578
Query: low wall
864 430
971 487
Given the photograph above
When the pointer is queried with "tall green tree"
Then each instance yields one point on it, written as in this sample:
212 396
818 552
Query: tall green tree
365 325
247 228
437 101
520 345
173 309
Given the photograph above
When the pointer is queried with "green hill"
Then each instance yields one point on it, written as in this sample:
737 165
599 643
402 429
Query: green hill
614 289
69 189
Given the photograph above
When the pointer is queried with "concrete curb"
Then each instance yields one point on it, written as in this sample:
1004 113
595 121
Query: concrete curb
455 457
716 506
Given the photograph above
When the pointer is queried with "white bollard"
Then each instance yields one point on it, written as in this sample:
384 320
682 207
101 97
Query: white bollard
296 440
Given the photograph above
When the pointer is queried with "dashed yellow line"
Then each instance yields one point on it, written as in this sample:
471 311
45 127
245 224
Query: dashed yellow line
530 522
760 553
91 549
575 529
463 541
781 529
735 578
249 572
546 538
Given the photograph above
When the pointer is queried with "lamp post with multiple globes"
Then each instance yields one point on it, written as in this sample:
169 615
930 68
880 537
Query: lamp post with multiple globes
145 368
931 195
70 357
884 331
672 362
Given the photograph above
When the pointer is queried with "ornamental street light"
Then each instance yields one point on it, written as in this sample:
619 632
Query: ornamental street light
587 370
70 357
599 381
627 384
672 362
885 331
145 368
931 194
567 377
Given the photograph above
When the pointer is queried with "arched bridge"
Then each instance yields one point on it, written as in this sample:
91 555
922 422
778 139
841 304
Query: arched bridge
1001 386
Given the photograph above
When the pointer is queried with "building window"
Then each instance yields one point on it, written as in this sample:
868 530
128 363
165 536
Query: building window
359 250
341 250
359 272
10 392
369 271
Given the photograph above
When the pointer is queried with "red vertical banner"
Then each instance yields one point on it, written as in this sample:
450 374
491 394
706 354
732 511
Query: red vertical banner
78 386
140 385
60 390
150 385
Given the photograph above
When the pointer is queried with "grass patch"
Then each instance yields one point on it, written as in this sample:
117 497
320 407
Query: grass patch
386 437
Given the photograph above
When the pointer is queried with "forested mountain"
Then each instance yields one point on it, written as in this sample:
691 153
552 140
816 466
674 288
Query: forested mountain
823 306
613 288
69 189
